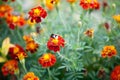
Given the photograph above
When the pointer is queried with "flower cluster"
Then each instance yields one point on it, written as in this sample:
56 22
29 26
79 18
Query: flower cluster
47 60
30 76
10 67
55 42
115 74
108 51
31 45
89 4
17 52
36 14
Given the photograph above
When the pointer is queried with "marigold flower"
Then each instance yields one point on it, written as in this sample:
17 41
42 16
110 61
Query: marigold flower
117 18
10 67
115 74
27 38
35 14
30 76
14 20
55 42
17 52
89 4
89 32
71 1
47 60
51 3
4 10
31 45
108 51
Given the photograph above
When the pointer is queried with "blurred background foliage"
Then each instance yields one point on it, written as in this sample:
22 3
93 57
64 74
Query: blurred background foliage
69 21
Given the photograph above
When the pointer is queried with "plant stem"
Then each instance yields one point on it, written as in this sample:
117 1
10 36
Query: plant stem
49 73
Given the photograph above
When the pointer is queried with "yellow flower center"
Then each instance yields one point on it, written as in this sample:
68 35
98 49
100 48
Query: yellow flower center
31 45
15 18
37 12
46 57
20 55
16 49
55 41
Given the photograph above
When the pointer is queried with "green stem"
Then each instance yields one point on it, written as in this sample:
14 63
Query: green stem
63 57
49 73
23 65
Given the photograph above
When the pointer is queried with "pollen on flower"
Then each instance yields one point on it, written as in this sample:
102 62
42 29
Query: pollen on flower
47 60
108 51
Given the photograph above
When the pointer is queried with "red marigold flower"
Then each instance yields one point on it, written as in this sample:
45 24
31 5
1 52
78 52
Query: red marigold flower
10 67
89 32
47 60
17 52
14 20
115 74
35 14
30 76
108 51
55 42
89 4
4 10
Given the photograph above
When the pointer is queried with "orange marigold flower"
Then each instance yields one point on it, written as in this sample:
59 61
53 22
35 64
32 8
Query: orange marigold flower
10 67
17 52
4 10
35 14
27 38
14 20
108 51
32 46
71 1
55 42
51 3
117 18
115 74
89 4
89 32
30 76
47 60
